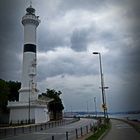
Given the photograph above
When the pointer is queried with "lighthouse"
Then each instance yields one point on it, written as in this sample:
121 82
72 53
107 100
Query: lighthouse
29 109
28 85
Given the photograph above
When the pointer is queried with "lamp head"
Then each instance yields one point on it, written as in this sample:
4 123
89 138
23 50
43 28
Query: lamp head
95 52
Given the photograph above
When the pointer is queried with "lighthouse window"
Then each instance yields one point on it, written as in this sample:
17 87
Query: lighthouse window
30 48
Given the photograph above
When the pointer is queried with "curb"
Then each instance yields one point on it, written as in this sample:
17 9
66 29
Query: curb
85 136
91 133
105 133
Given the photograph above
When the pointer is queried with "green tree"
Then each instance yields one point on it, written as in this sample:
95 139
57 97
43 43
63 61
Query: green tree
55 107
4 93
8 91
13 88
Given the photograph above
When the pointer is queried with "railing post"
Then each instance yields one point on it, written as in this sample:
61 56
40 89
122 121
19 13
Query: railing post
52 137
35 128
66 135
23 129
87 129
14 131
93 124
90 127
81 131
76 133
5 131
30 128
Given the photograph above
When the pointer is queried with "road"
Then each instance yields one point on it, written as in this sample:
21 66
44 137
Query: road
58 132
122 131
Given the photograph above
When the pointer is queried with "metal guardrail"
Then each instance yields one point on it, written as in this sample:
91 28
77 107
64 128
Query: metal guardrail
17 130
78 133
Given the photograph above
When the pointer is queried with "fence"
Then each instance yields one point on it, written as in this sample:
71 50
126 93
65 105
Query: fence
79 132
13 131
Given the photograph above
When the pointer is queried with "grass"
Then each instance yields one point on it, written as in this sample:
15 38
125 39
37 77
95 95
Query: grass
99 132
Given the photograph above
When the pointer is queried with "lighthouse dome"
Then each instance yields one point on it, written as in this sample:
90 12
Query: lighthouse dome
30 10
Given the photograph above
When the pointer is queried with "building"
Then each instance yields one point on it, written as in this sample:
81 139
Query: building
29 108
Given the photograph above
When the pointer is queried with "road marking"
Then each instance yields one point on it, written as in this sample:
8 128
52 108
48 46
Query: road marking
67 127
123 126
43 133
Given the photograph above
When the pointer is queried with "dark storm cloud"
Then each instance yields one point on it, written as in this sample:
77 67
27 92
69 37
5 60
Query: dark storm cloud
122 43
10 40
49 40
79 40
93 5
133 59
133 53
76 65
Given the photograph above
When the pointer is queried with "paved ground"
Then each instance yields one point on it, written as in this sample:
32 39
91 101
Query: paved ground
59 132
122 131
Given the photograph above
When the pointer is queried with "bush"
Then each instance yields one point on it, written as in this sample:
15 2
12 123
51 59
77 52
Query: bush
95 128
21 122
10 123
99 131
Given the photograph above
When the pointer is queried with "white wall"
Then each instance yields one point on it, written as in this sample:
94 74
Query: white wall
30 34
40 115
21 113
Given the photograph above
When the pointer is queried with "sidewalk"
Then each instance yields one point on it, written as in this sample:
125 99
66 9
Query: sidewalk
121 131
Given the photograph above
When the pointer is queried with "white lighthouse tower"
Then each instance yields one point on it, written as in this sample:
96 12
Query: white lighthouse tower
30 22
29 108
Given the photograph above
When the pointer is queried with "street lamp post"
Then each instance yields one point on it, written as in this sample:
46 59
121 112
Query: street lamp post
29 103
95 107
87 109
102 84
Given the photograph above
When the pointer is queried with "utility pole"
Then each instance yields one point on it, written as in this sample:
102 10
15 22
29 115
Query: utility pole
102 86
95 107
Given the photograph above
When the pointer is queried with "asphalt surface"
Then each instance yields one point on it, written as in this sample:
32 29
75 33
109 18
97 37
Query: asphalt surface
122 131
58 132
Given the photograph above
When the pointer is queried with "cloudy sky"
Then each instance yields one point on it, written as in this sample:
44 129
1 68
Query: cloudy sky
70 30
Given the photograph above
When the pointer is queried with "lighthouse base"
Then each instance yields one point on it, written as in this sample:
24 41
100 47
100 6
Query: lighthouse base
23 112
26 93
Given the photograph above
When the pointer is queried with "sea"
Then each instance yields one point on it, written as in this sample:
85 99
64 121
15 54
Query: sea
120 115
126 116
